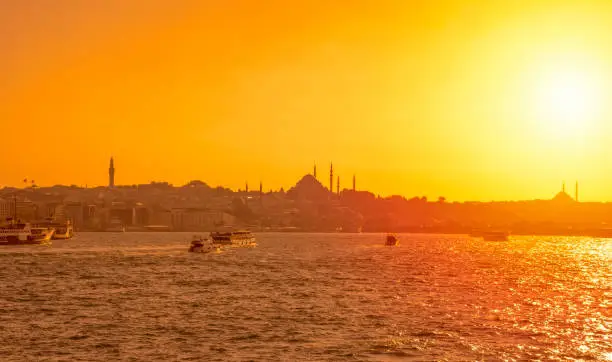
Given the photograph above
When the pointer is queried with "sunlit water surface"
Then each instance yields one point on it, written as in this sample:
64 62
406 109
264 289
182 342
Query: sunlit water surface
141 296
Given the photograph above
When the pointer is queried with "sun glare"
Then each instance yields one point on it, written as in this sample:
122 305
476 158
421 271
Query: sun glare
566 102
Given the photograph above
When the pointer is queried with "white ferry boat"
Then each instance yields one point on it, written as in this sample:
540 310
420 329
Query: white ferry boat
237 239
23 233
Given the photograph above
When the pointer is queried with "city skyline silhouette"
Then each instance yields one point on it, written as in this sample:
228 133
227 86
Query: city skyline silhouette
331 187
470 100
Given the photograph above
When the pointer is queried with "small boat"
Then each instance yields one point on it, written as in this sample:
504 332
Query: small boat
202 245
603 233
236 239
495 236
115 226
117 229
476 234
391 240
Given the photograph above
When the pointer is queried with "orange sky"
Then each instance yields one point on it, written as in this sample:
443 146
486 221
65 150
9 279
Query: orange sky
417 98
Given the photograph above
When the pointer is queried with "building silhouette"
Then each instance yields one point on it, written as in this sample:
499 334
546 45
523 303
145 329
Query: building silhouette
563 196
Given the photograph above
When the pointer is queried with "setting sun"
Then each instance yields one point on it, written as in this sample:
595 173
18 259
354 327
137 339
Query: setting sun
567 102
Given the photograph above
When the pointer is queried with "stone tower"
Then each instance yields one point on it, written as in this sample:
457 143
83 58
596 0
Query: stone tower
111 173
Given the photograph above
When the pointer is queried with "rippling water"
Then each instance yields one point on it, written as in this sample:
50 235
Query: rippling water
141 296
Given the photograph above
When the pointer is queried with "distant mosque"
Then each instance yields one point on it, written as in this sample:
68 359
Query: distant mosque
331 179
563 196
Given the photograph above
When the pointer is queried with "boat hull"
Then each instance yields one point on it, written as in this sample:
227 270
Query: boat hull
44 238
27 242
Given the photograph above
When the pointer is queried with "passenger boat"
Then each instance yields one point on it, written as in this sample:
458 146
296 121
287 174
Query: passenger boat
202 245
495 236
237 239
19 233
476 234
63 230
391 240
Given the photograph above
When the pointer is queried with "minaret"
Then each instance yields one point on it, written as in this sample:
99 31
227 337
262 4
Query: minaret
111 173
576 191
331 177
563 188
338 186
246 187
315 171
353 182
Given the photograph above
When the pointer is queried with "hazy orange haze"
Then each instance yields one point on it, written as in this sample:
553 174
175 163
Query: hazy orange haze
434 98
